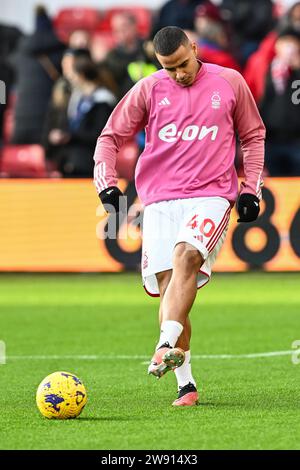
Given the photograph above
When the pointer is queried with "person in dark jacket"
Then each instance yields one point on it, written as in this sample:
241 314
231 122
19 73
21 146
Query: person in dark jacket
37 63
179 13
213 37
257 66
280 108
75 145
251 21
129 48
9 38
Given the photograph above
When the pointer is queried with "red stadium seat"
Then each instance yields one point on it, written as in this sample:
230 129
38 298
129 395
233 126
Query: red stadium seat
70 19
23 161
126 160
143 17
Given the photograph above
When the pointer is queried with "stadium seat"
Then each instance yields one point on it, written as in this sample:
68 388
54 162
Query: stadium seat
69 19
126 160
143 17
23 161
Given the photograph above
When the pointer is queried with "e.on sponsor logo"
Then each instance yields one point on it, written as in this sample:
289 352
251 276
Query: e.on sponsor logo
170 133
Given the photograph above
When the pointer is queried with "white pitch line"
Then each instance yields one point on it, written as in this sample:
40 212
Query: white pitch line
142 358
77 357
246 356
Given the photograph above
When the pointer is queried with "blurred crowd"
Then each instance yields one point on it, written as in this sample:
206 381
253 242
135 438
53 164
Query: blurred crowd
63 83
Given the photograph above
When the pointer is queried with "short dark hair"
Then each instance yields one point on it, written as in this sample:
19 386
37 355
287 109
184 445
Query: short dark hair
168 39
86 68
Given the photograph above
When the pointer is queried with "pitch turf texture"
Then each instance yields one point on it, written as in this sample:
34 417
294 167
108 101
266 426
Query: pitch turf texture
246 402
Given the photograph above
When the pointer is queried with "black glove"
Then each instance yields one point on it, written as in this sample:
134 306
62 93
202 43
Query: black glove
248 207
113 200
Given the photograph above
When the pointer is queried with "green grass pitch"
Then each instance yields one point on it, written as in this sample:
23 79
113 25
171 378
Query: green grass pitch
246 402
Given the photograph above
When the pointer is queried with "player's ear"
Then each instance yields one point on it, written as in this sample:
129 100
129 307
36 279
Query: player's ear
194 48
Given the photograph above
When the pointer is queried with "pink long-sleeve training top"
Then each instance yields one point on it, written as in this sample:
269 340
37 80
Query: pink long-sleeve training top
190 137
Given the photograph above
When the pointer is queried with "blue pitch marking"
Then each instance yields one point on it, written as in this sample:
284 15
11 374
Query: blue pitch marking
76 380
54 400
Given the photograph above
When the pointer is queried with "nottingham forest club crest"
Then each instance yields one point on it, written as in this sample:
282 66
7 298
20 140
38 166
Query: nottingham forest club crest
216 100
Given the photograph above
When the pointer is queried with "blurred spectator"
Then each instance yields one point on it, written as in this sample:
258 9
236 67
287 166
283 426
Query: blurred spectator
179 13
292 17
251 21
280 114
63 105
258 64
67 64
37 64
101 44
129 49
213 37
141 69
56 124
107 79
145 65
79 39
68 60
75 144
283 7
9 38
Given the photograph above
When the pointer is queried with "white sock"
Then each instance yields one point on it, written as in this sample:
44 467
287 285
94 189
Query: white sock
184 372
170 331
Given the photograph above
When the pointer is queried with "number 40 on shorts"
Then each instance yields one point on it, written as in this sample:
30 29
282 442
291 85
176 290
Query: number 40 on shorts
206 228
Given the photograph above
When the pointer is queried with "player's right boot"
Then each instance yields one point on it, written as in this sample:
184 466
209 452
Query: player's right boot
165 359
187 396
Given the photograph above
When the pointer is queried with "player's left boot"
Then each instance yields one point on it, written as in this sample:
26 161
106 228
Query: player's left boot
165 359
187 396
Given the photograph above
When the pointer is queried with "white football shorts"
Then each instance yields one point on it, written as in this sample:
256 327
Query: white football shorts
201 222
